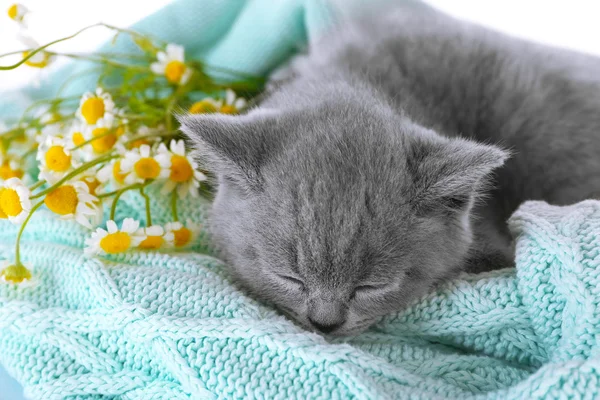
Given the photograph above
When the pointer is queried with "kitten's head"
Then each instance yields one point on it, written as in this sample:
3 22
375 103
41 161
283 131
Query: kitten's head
340 215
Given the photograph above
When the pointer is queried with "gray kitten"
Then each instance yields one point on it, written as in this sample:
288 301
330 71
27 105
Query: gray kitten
380 166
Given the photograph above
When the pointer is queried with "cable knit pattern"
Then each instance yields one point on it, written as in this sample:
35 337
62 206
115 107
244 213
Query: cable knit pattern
173 326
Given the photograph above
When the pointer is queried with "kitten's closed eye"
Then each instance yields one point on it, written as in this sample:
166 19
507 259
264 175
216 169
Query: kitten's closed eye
369 290
295 282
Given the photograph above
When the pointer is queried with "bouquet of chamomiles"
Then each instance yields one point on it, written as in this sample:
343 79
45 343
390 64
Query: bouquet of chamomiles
77 155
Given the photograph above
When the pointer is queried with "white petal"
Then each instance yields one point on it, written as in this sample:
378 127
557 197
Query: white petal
175 52
183 190
162 57
155 230
112 226
145 151
83 221
162 148
240 104
130 225
157 68
185 78
168 187
229 97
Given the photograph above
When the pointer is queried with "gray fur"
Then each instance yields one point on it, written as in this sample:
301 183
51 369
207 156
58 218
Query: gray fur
376 169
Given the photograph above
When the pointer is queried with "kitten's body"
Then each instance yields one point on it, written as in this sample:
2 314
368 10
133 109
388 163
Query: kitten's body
343 172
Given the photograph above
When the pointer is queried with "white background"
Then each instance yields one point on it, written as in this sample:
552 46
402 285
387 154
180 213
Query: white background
574 23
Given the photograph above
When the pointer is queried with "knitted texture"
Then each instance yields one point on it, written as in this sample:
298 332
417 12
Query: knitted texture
170 326
173 326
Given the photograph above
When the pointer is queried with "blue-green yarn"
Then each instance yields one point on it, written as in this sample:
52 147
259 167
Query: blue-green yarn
150 325
174 326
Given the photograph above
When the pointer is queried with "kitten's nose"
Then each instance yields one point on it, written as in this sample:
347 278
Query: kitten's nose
325 328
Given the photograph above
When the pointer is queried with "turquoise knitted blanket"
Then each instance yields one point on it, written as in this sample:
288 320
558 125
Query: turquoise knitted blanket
171 326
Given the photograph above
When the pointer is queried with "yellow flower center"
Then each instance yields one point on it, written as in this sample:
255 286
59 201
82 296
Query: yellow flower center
152 243
227 109
78 139
10 202
93 109
181 170
117 175
138 143
92 186
2 213
6 172
15 274
120 131
39 60
105 140
114 243
203 107
182 236
62 200
13 11
174 71
147 168
57 159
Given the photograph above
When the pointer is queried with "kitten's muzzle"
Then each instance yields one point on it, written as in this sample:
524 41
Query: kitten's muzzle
326 314
325 328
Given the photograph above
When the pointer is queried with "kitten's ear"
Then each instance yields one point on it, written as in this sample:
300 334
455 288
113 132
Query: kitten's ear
233 147
449 173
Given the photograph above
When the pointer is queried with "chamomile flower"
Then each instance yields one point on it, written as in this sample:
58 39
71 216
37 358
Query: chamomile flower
97 108
140 165
77 135
183 175
183 235
144 135
49 131
171 64
56 159
15 274
25 142
206 106
10 168
73 201
111 174
233 104
156 237
15 200
2 213
39 60
91 180
114 240
102 140
18 12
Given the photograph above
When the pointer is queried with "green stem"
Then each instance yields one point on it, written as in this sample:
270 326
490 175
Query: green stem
36 185
113 208
33 53
102 61
152 136
110 194
18 243
169 112
73 77
73 174
148 214
53 102
174 205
